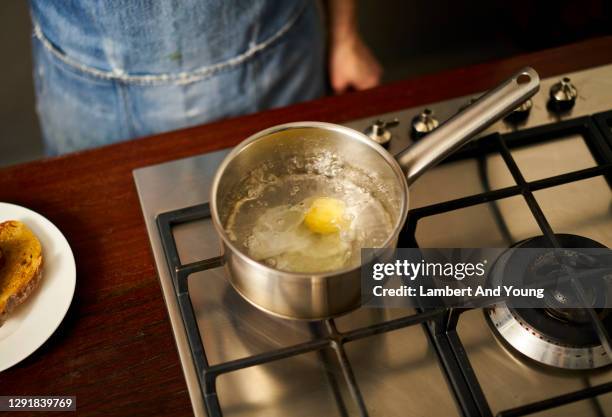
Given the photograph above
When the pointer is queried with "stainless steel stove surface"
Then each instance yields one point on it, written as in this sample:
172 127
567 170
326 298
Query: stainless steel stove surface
453 364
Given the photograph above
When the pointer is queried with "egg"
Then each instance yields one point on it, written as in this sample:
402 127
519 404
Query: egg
326 215
311 236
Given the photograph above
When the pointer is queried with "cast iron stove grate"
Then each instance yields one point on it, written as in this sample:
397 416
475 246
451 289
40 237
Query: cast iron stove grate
441 324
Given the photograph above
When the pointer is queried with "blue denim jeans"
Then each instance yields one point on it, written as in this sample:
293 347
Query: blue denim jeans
107 71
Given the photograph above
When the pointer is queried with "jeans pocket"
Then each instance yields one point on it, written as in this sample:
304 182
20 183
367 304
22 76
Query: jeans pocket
251 51
76 110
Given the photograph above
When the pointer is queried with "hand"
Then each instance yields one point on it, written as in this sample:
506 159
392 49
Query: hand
352 65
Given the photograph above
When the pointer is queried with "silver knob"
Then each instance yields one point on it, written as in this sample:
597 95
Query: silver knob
424 123
563 95
524 107
379 131
520 113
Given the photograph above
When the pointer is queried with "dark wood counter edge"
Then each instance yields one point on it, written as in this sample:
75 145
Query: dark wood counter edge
115 350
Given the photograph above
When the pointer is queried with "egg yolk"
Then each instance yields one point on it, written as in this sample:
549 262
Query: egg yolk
326 215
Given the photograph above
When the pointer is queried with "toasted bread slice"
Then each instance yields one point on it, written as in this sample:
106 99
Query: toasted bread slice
22 269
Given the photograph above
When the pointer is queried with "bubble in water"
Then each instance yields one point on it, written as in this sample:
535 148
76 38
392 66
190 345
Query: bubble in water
288 245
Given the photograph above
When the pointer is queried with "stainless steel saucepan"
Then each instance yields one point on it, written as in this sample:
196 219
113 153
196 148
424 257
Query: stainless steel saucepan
313 296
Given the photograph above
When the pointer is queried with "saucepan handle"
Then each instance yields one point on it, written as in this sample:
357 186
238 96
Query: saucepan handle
462 127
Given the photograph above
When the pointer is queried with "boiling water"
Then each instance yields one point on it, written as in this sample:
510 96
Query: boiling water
266 220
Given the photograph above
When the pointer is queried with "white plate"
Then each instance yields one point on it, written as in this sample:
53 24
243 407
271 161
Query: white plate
33 322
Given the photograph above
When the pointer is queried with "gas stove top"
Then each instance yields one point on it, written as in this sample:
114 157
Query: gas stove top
547 171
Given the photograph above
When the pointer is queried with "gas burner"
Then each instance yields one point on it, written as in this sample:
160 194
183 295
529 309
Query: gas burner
212 323
557 336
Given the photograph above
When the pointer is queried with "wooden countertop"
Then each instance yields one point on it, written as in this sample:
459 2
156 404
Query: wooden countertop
115 350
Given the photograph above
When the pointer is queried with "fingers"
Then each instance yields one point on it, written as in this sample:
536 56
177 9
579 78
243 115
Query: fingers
359 78
339 83
369 79
352 65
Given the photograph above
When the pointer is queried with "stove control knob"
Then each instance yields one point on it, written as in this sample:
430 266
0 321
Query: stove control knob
423 123
520 113
563 95
379 131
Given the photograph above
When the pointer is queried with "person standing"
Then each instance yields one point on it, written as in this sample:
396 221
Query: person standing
107 71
